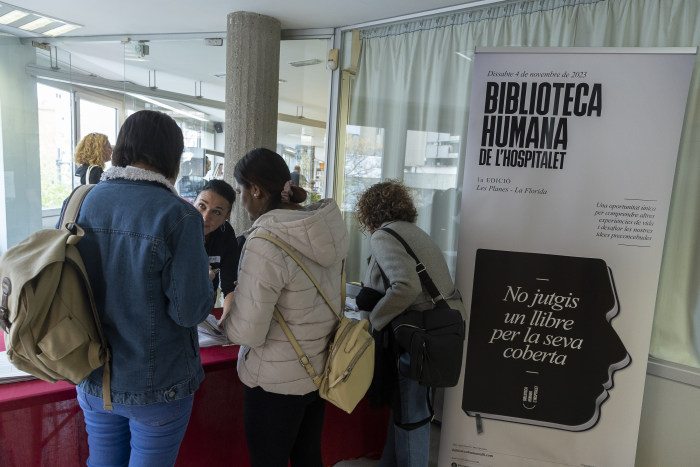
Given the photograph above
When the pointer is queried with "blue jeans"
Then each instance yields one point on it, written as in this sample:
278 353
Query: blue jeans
134 435
408 448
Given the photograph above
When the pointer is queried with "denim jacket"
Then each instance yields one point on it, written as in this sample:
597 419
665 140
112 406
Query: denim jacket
143 250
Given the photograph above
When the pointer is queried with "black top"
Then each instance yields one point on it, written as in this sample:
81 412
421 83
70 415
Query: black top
224 253
95 174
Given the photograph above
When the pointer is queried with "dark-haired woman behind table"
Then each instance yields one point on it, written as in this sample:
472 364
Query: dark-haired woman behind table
215 202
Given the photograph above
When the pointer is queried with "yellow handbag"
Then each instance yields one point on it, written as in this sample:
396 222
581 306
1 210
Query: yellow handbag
350 363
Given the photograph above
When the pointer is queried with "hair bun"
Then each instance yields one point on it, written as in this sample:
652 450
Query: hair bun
298 195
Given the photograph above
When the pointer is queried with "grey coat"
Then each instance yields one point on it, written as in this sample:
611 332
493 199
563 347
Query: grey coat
406 291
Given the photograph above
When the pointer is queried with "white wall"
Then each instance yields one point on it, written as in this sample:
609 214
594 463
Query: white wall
669 432
19 134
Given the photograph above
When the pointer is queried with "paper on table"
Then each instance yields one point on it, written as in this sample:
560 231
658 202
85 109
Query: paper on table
209 333
10 374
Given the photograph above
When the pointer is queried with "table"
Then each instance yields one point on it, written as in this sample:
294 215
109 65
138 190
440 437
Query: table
41 423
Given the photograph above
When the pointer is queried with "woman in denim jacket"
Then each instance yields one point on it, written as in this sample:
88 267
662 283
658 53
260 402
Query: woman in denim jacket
143 250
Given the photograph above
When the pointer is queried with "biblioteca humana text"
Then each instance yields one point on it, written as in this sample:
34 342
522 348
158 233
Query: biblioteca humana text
526 124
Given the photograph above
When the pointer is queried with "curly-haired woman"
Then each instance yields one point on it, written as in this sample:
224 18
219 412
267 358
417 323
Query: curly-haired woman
90 157
389 204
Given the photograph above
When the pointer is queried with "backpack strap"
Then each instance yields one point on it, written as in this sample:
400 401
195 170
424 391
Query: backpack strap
87 174
68 219
70 213
425 279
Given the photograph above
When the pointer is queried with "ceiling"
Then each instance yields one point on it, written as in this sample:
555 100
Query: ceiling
175 16
181 64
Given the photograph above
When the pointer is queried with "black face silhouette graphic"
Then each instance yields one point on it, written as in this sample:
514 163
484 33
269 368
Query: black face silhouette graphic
541 348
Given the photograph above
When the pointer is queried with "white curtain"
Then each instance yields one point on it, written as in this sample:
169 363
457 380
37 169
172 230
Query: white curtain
414 81
415 78
666 23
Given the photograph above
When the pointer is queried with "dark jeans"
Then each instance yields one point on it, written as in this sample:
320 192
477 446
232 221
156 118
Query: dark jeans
281 427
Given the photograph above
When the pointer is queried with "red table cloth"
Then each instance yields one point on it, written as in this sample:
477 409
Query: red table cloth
41 424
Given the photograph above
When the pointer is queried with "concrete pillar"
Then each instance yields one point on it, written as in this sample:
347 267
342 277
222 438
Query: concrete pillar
252 91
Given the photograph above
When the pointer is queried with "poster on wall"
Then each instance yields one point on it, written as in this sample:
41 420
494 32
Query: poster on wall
571 155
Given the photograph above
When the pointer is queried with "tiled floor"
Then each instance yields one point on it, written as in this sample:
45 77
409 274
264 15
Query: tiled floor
434 446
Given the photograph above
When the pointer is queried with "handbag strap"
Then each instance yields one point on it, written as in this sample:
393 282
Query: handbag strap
396 409
289 251
425 279
303 358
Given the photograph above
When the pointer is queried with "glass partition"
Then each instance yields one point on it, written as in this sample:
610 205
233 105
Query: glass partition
186 80
36 138
303 111
52 98
55 145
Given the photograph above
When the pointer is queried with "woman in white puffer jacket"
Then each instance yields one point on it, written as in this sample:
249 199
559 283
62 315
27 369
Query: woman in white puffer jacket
283 413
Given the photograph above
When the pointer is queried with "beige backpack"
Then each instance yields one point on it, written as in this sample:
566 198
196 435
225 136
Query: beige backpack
51 326
350 363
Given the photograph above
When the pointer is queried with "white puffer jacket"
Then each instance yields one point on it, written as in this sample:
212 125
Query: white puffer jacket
268 276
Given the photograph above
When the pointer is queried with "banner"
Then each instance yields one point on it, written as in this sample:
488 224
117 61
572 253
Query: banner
570 159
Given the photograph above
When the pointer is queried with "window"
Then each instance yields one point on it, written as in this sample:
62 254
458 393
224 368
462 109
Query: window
399 119
55 145
303 109
98 118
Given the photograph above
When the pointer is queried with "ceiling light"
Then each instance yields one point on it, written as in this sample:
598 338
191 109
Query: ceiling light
153 101
12 16
36 24
313 61
60 30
